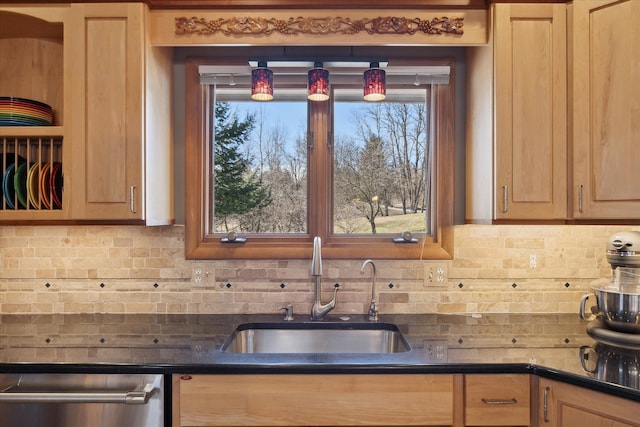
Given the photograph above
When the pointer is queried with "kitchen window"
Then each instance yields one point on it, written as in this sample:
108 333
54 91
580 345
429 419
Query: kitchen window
372 179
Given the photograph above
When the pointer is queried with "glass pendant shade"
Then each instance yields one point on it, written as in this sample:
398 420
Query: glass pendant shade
318 83
262 83
375 83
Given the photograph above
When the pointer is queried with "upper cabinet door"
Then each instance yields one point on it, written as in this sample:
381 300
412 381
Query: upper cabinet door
108 111
530 112
606 109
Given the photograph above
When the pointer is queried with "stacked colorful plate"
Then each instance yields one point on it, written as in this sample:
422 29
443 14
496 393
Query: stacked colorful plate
24 112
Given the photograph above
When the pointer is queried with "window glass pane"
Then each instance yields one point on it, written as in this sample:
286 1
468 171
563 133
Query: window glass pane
259 166
382 167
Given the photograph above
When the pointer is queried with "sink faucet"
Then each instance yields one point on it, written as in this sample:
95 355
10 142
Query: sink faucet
373 307
319 310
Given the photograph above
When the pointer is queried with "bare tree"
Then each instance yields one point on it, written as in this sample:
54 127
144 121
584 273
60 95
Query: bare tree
362 177
283 169
297 163
404 126
383 164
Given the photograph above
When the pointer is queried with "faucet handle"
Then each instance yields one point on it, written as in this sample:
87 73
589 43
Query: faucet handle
288 312
336 288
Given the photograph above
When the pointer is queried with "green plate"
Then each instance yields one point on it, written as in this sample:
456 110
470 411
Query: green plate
20 184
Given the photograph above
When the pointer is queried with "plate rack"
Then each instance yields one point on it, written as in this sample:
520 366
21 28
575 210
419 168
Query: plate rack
31 172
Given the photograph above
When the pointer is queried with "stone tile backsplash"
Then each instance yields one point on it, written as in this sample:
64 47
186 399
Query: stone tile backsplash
127 269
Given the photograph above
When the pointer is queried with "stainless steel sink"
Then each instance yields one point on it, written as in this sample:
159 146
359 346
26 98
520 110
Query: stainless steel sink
320 337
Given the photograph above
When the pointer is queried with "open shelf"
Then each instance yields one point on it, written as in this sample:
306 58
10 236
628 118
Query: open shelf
31 178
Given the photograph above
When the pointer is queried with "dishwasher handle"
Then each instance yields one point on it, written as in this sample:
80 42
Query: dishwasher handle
139 396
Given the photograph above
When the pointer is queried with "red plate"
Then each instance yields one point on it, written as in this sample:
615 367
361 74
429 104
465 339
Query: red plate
45 186
55 183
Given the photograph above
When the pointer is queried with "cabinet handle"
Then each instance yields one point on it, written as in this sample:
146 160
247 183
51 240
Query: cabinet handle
505 194
545 405
138 396
132 199
580 198
511 401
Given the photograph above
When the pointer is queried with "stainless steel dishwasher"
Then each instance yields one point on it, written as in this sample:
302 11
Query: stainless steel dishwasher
74 400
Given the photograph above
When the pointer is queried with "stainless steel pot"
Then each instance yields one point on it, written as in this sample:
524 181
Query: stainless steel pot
612 364
620 309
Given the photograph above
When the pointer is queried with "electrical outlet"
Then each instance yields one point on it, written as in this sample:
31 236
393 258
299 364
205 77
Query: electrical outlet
436 351
533 262
202 275
435 274
197 274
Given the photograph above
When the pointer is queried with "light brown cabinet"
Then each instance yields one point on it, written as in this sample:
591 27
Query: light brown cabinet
565 405
108 76
516 117
605 109
111 96
497 400
121 117
302 400
530 111
547 164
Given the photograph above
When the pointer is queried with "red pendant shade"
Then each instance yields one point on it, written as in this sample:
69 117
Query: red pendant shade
318 83
262 83
375 83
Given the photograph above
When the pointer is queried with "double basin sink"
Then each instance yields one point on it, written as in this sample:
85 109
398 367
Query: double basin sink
316 337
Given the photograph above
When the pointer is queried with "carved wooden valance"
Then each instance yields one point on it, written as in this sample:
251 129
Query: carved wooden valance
317 26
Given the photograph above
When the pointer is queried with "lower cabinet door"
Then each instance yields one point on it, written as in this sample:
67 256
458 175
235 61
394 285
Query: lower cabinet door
565 405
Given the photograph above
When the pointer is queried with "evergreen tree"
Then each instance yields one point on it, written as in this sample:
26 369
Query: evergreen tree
238 191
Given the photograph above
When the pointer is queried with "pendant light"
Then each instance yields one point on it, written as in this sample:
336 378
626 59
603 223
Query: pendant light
262 83
375 83
318 83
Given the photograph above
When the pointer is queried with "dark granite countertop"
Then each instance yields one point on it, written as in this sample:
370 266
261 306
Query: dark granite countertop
554 346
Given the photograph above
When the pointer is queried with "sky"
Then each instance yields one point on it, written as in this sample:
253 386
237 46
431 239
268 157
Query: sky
294 114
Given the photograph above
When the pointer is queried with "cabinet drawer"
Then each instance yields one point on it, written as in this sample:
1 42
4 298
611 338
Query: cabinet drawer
497 400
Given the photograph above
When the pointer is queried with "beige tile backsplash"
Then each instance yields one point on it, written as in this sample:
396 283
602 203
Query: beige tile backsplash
126 269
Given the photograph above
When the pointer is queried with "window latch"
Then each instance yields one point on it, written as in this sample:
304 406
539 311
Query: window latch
406 237
232 237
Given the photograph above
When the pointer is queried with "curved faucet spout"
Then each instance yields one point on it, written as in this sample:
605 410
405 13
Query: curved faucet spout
319 310
373 306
